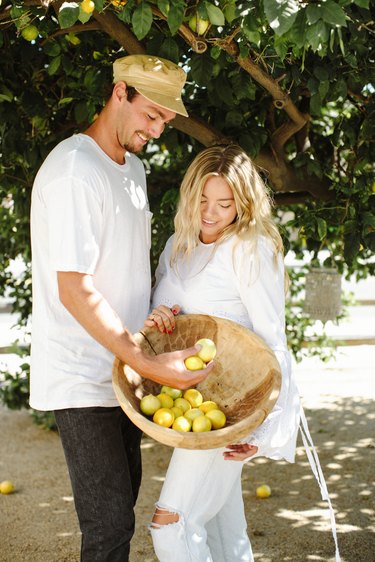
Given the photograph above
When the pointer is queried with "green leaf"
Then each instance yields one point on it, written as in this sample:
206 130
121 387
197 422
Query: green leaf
99 5
234 119
142 20
281 47
297 32
333 13
321 228
5 93
164 7
323 89
230 11
352 241
281 14
313 13
362 3
243 86
201 69
52 48
215 15
175 16
54 65
81 112
65 101
317 35
68 14
169 50
83 16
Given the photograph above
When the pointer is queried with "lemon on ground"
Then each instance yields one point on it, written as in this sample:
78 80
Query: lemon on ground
183 404
201 423
194 363
217 418
193 396
173 392
6 487
193 413
166 401
149 404
164 417
263 491
208 405
208 349
181 424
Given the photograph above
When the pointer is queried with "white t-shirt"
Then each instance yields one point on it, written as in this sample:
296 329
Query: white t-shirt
88 215
248 288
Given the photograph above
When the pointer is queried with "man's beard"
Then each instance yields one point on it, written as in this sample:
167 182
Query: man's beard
134 147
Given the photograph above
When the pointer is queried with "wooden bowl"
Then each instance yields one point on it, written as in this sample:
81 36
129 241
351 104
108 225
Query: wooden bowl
245 381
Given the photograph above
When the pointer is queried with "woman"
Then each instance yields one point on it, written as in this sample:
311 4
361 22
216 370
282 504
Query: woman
225 259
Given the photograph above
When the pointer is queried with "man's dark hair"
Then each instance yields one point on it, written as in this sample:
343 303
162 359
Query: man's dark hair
131 93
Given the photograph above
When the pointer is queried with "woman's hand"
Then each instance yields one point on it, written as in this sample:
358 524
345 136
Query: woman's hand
163 318
240 451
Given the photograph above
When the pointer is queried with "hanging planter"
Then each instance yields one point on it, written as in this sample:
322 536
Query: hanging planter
323 294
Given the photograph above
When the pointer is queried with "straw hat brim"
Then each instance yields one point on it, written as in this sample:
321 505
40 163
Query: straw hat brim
245 381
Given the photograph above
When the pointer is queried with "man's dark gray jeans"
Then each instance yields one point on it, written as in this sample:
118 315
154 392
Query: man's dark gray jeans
102 451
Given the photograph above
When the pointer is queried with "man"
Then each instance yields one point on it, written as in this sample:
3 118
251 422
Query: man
90 228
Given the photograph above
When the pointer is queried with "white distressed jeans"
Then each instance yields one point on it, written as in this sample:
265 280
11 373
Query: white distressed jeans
205 491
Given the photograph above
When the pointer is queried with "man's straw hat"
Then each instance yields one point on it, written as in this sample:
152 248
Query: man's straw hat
245 381
159 80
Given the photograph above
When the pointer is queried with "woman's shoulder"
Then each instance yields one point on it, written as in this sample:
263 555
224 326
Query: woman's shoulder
253 244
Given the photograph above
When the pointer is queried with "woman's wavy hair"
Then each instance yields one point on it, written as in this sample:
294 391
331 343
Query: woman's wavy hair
252 199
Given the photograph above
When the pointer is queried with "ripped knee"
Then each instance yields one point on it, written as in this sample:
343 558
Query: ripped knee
164 516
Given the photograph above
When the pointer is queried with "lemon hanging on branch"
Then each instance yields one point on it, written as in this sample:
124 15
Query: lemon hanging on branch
198 24
87 6
30 32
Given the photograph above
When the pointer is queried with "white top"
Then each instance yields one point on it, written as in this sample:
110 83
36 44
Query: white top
247 288
88 215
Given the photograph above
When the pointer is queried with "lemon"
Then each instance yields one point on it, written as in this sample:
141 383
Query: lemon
263 491
149 404
164 417
193 396
87 6
217 418
183 404
207 351
177 412
181 424
30 33
193 413
173 392
6 487
194 363
198 24
208 405
166 401
201 423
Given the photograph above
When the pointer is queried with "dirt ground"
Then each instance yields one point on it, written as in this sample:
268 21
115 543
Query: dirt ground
38 521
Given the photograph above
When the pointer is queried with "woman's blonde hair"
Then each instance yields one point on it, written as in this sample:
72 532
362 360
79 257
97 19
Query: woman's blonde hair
251 196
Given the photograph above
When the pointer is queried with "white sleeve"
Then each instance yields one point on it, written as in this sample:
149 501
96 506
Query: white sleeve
75 219
262 292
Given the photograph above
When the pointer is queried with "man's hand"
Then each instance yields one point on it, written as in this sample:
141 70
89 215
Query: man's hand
240 451
171 369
